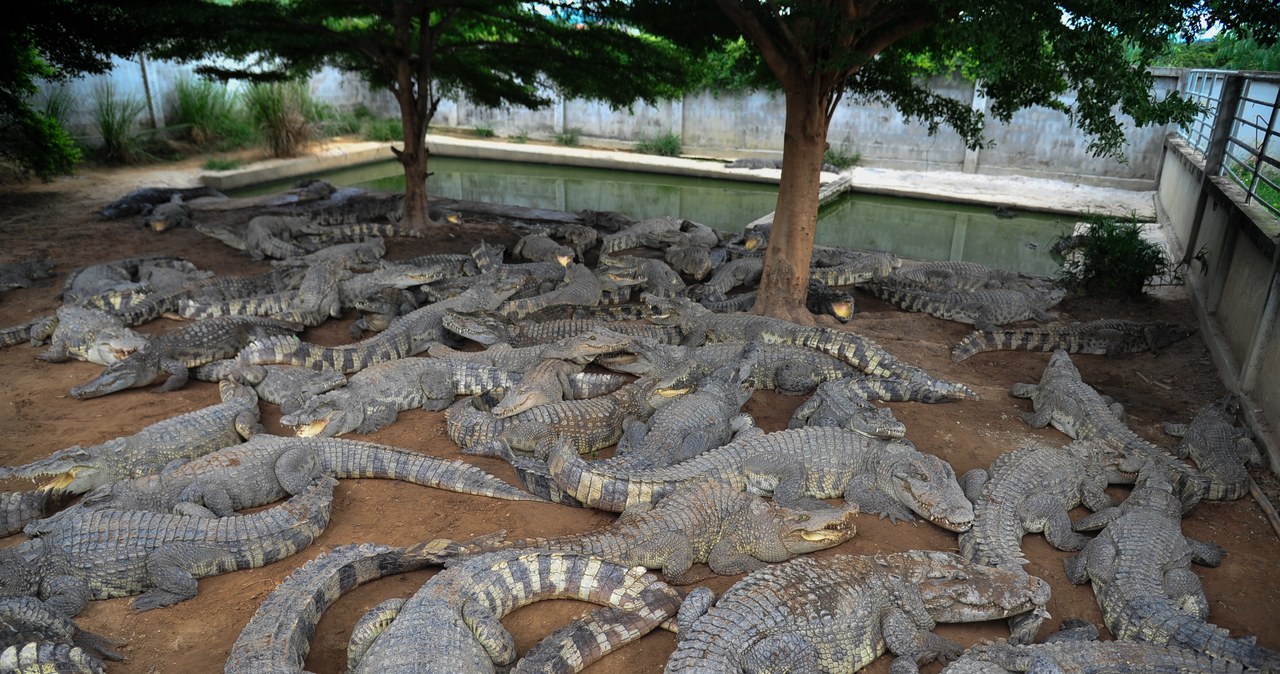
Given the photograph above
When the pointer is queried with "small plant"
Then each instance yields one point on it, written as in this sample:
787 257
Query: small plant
283 112
223 163
1112 259
58 104
569 138
665 145
211 114
841 159
383 130
522 137
483 132
116 117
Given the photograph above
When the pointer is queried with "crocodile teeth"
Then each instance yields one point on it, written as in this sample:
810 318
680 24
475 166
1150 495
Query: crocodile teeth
672 392
311 430
62 481
842 310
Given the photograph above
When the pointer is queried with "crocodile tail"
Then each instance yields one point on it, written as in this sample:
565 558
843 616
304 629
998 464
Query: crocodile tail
591 637
1142 617
593 489
45 656
18 508
277 349
978 341
18 334
355 459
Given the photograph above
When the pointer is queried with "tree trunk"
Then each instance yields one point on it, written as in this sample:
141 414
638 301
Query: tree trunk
784 283
414 160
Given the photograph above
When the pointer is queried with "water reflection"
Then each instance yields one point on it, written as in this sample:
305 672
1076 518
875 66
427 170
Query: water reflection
914 228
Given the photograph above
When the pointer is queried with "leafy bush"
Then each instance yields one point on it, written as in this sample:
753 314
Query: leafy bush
212 114
666 145
484 132
840 159
115 118
329 121
283 112
569 137
384 130
1112 259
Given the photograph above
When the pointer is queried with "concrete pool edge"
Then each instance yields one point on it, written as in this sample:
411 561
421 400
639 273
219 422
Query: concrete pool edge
1016 192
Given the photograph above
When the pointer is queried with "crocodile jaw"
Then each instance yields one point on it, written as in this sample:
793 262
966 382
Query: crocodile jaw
842 310
311 429
818 530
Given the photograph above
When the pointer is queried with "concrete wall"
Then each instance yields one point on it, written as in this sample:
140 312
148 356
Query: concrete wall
1037 142
1238 296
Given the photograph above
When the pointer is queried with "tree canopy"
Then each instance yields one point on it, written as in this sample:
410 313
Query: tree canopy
1085 58
497 52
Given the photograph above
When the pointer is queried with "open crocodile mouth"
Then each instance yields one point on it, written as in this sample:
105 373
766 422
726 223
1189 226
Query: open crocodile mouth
842 310
672 392
564 260
62 481
950 524
311 429
824 535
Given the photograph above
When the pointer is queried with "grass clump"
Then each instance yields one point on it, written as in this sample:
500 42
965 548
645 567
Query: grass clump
116 117
1113 260
522 137
665 145
212 115
569 138
284 113
223 163
383 130
483 131
840 159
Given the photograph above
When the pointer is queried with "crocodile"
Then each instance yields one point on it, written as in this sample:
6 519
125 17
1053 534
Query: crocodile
168 215
741 272
797 467
178 351
822 299
693 260
277 638
580 288
701 523
38 657
1222 451
489 328
1031 489
844 267
459 609
532 471
957 275
288 386
365 207
642 233
374 396
23 274
318 298
488 259
268 468
581 348
837 404
694 422
379 311
102 554
85 334
76 470
1087 657
984 309
21 333
411 334
1140 568
1112 337
605 221
839 613
655 276
542 248
791 370
1077 409
552 381
588 425
143 199
702 325
26 620
362 254
85 283
272 236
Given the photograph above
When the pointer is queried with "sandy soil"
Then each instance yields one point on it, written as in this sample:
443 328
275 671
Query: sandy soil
38 417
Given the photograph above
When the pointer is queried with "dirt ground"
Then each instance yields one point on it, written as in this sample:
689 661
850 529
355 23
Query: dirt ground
37 417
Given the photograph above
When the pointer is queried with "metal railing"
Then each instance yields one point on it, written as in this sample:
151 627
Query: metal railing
1250 150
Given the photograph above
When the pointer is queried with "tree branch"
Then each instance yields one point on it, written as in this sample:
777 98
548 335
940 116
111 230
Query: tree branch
758 35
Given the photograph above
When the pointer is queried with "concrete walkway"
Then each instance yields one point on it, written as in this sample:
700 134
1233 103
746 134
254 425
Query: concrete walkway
1016 192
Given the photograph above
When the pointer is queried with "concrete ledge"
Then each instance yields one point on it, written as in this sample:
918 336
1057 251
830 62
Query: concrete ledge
338 155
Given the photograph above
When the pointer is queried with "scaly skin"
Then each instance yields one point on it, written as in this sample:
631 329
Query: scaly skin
27 619
580 288
840 267
22 274
268 468
703 523
318 298
1111 337
492 328
86 334
984 309
1075 408
792 370
796 467
542 248
451 623
581 348
1030 490
655 276
840 613
178 351
289 386
136 201
955 275
113 553
20 508
837 404
552 381
1088 657
1220 449
411 334
20 334
639 234
1140 567
45 657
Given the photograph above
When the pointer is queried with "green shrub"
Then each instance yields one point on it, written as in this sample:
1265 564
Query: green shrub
483 132
1112 259
384 130
522 137
328 121
569 138
283 112
223 163
666 145
115 118
211 114
58 104
840 159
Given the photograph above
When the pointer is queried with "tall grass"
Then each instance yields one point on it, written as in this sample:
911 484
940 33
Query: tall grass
116 117
58 104
665 145
283 112
212 115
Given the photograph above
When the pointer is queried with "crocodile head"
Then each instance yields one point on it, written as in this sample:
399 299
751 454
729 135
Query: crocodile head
1162 334
927 485
798 532
74 469
956 590
321 418
111 346
583 347
486 328
139 369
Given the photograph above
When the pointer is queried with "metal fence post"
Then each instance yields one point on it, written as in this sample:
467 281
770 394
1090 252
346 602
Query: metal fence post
1214 154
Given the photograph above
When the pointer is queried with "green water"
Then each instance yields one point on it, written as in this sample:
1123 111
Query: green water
914 228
